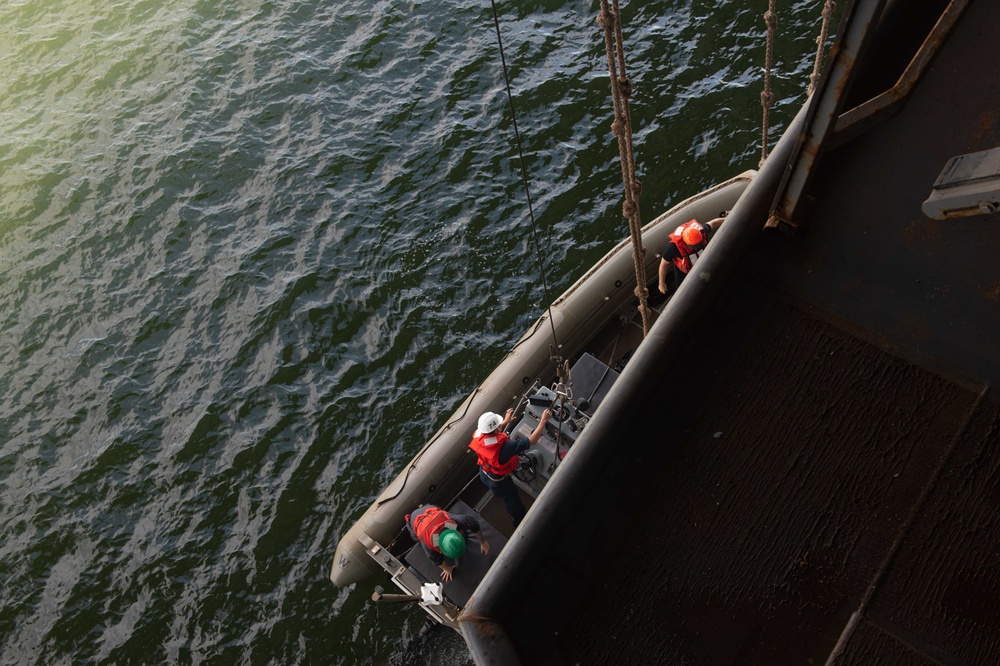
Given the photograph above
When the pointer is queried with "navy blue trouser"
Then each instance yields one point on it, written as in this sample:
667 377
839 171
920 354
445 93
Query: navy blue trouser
507 491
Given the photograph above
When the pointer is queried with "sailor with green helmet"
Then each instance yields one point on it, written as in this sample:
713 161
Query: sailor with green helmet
442 536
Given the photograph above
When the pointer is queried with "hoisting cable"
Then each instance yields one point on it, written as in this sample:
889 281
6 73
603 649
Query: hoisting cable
556 358
561 412
820 43
766 96
621 90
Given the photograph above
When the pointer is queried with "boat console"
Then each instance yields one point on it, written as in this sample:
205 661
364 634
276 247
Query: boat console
571 411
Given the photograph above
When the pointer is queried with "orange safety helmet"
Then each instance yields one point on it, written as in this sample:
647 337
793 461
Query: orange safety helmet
692 236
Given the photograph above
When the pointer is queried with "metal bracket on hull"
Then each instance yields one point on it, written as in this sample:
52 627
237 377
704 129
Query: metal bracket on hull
407 581
968 185
828 124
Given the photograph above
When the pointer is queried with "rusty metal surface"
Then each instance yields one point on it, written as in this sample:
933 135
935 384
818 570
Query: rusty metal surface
855 121
488 642
827 103
870 255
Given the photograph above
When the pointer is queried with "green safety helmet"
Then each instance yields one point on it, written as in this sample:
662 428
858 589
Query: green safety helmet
452 544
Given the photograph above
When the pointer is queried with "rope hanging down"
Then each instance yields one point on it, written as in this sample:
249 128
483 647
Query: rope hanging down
766 96
621 90
556 357
820 43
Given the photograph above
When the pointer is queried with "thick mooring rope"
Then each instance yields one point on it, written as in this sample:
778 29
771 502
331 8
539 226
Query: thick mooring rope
821 43
621 90
767 97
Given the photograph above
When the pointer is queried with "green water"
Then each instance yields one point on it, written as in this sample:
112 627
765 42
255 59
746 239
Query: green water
252 254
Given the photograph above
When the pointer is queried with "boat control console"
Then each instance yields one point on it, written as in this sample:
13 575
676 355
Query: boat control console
570 414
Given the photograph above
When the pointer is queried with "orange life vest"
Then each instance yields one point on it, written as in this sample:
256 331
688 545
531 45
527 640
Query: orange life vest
487 448
689 255
429 524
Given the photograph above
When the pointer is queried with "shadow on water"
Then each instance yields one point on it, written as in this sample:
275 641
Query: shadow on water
417 649
430 645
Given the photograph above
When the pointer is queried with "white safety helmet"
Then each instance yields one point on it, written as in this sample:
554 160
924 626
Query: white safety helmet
489 422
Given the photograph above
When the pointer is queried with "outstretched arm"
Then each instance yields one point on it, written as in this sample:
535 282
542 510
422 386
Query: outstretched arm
536 434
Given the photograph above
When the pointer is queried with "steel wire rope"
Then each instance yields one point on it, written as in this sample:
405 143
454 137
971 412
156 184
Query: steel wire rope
527 193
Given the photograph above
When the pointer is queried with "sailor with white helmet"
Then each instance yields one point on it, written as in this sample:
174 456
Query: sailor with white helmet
498 457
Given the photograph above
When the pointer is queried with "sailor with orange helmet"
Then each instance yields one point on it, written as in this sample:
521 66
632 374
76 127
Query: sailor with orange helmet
684 249
443 535
498 457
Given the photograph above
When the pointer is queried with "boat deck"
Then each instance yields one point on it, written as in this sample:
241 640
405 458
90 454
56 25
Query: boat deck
818 480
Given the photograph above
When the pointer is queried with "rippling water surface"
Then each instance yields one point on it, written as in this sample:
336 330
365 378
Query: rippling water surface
252 254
